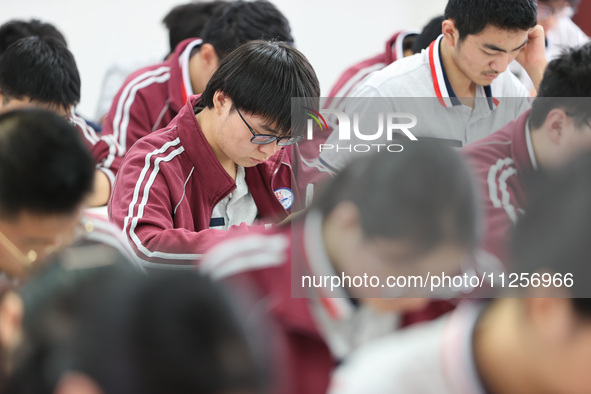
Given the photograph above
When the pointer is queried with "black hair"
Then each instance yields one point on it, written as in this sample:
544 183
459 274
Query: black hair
44 166
169 332
430 32
566 84
424 194
261 78
240 21
187 20
473 16
553 235
40 69
14 30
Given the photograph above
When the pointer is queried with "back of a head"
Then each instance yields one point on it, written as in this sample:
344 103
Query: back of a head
240 21
430 32
170 332
187 20
14 30
261 78
553 236
473 16
566 84
44 166
424 194
40 69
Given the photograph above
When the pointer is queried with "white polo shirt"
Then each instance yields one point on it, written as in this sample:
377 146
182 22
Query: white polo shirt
419 85
432 358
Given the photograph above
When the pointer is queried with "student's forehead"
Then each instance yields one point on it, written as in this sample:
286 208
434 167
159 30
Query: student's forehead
502 38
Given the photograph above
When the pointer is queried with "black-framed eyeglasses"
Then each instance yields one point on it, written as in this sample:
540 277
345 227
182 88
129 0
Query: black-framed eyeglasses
263 139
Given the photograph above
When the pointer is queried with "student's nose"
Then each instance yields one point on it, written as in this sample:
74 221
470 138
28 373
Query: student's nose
269 149
500 63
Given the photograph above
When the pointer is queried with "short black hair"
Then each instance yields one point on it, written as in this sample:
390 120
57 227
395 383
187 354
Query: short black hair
425 194
187 20
473 16
553 235
430 32
40 69
169 332
566 84
14 30
237 22
261 77
44 166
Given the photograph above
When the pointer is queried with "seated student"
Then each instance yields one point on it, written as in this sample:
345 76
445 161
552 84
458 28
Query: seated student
151 97
106 329
220 163
458 82
46 174
42 72
386 214
553 132
533 339
182 22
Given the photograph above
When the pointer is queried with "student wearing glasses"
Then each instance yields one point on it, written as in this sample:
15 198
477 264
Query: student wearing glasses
219 165
152 96
556 129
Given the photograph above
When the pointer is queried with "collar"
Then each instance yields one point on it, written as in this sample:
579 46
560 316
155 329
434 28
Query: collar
530 147
394 46
336 303
443 89
457 350
187 87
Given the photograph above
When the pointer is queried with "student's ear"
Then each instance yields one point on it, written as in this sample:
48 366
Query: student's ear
552 317
77 383
347 215
209 57
450 32
555 125
220 101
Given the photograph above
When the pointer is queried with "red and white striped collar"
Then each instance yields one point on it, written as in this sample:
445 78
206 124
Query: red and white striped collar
187 87
443 89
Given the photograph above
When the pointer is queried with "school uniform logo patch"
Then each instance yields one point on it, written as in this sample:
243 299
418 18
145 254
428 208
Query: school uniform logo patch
285 197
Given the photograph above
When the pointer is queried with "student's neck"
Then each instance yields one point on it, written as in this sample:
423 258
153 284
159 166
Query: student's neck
463 87
497 340
206 119
539 144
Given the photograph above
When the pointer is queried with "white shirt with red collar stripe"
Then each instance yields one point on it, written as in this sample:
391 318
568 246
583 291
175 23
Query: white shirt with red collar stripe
418 85
433 358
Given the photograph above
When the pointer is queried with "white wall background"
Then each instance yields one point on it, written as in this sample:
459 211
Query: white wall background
333 34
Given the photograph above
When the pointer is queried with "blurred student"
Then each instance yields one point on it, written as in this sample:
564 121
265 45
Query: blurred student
106 329
219 166
182 22
46 175
560 31
151 97
557 128
41 72
388 214
461 78
535 339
